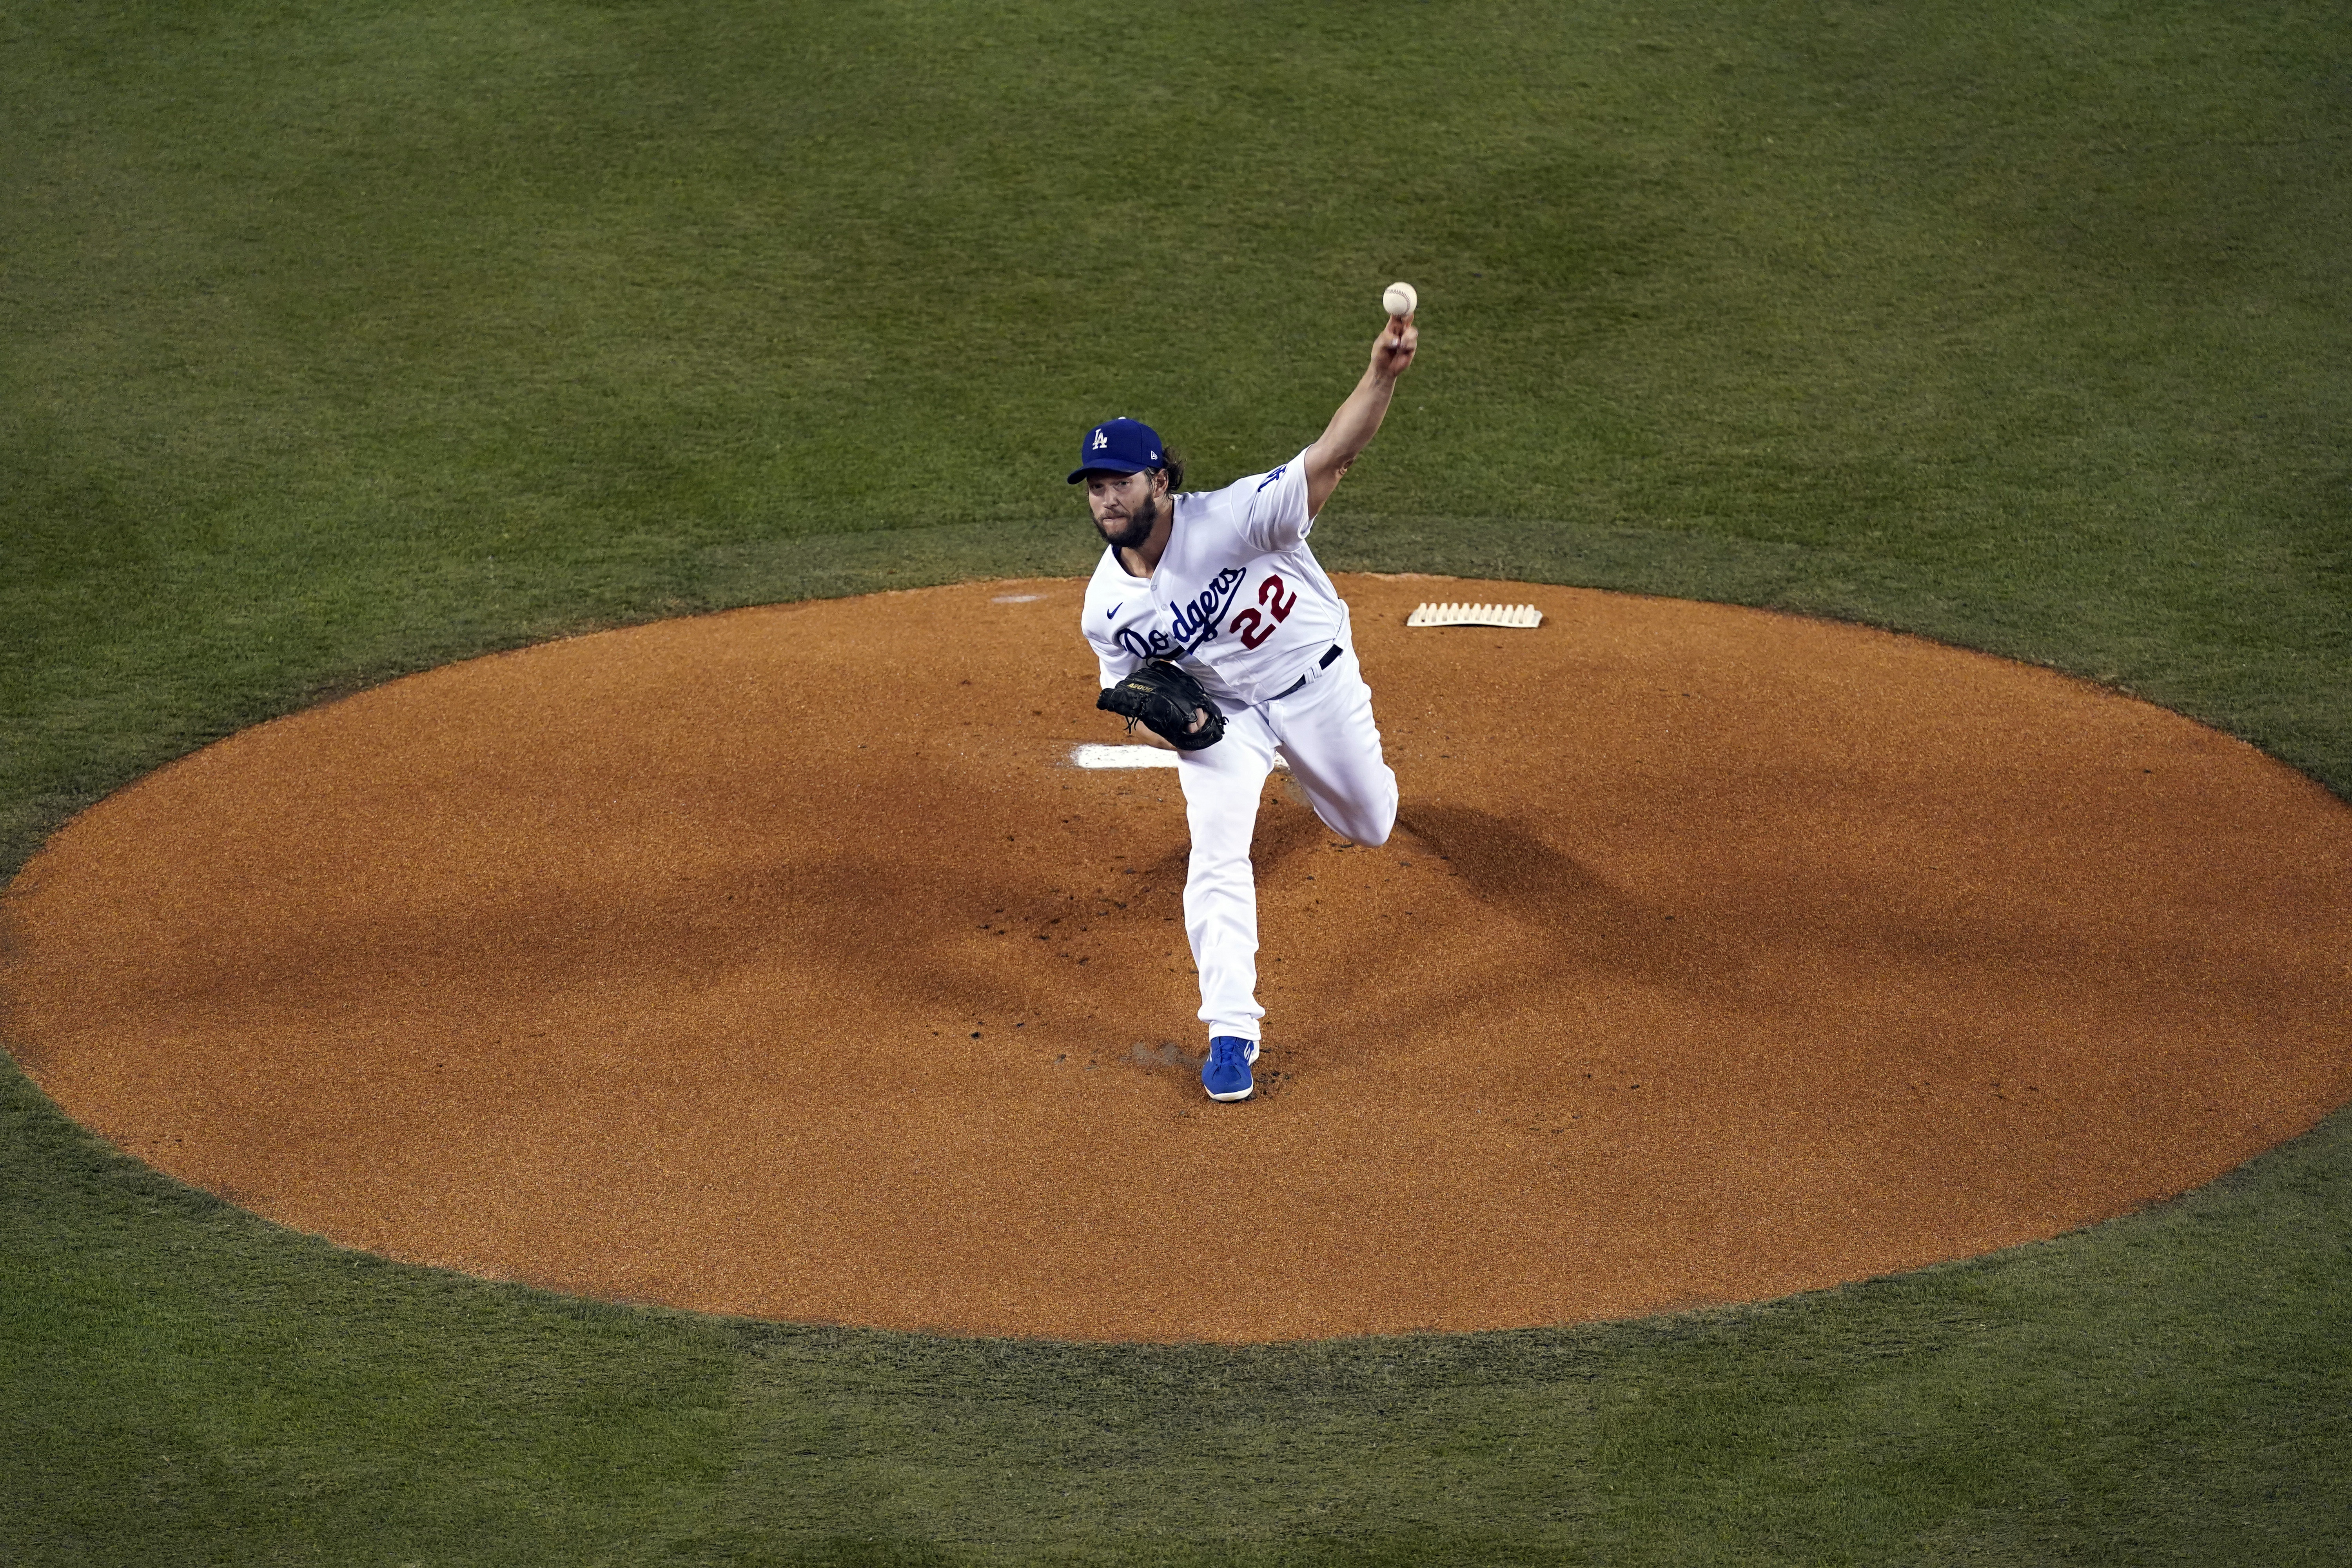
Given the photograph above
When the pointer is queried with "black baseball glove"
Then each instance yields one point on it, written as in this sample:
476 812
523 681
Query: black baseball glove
1169 703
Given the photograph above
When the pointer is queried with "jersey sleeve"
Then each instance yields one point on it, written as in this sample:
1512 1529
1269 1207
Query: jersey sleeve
1116 662
1115 667
1100 614
1278 519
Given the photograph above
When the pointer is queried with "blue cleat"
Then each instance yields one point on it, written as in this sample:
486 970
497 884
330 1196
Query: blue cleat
1227 1074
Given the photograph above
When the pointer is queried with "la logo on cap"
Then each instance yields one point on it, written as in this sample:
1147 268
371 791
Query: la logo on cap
1102 439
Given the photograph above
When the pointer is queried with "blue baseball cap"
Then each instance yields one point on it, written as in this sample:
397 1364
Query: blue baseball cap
1118 447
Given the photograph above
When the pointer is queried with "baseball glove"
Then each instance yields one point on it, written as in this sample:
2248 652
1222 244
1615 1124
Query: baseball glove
1165 700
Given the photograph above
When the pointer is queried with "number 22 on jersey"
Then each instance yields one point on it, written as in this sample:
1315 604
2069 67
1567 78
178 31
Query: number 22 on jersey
1253 629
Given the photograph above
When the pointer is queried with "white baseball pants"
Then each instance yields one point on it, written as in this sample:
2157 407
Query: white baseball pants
1325 732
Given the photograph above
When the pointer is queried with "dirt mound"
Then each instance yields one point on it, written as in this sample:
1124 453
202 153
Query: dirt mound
733 963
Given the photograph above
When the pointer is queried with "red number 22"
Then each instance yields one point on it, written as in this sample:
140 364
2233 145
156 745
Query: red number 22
1254 628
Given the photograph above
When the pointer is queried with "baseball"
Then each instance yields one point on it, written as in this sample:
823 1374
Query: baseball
1401 301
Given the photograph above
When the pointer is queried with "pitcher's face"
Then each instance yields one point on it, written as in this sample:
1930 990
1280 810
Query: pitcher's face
1125 506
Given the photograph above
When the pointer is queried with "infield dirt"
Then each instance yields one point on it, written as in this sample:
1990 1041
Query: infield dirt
778 962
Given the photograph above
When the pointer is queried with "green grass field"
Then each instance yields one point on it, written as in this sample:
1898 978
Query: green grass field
342 340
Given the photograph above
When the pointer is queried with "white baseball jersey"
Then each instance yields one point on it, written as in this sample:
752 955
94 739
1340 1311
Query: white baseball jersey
1237 598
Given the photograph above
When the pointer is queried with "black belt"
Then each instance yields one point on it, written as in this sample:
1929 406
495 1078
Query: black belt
1323 663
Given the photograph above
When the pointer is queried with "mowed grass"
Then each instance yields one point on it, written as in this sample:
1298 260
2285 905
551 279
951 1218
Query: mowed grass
340 341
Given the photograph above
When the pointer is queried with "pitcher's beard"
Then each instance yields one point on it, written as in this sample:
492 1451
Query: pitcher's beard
1137 528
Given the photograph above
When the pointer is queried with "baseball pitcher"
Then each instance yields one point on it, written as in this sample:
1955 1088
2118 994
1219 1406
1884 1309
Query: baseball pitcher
1216 626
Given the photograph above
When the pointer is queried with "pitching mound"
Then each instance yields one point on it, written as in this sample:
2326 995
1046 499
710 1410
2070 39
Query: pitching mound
740 964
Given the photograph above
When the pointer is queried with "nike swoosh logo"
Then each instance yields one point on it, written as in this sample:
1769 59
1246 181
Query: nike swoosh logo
1111 614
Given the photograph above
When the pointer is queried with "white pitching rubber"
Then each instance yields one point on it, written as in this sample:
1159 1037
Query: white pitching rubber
1122 757
1132 757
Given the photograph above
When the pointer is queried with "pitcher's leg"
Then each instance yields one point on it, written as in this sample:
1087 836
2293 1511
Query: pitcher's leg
1222 786
1328 736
